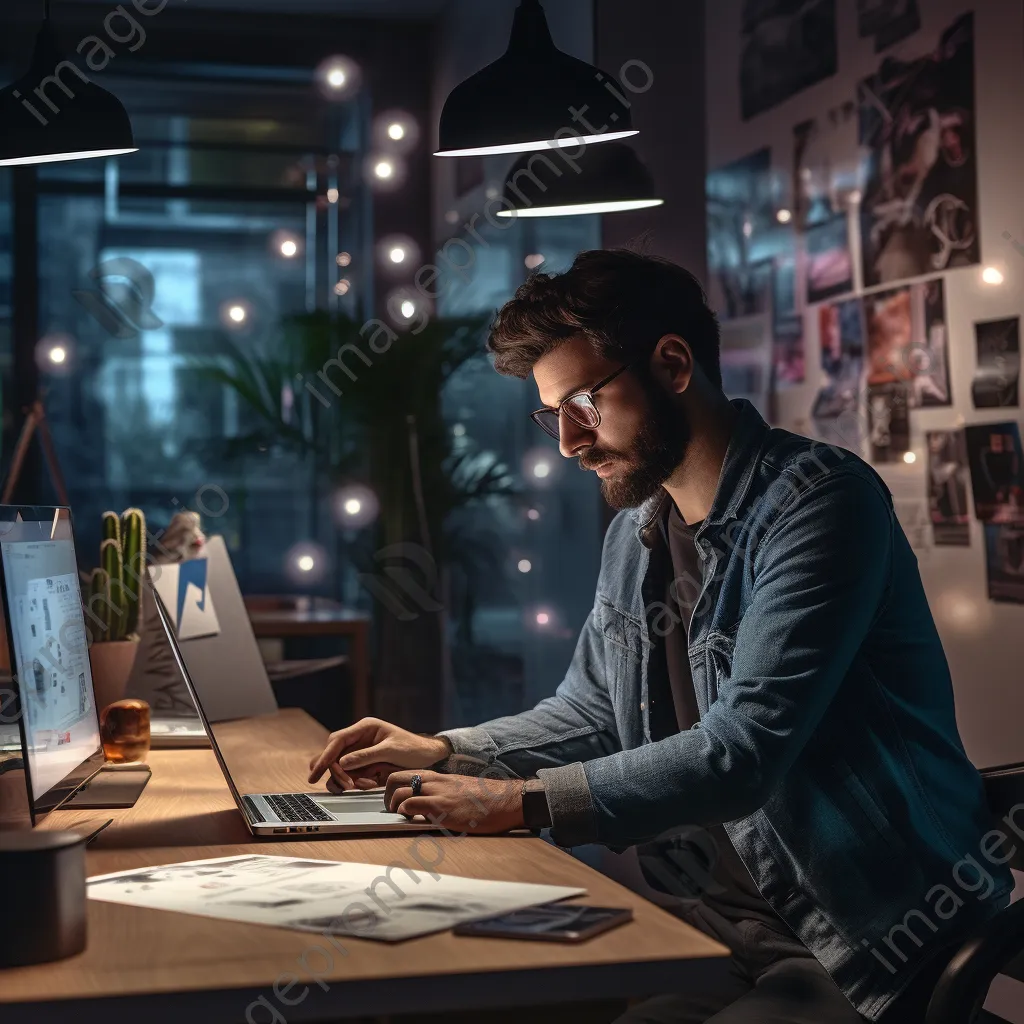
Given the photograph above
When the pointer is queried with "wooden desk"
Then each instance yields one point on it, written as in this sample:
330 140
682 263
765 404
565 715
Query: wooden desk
280 618
160 968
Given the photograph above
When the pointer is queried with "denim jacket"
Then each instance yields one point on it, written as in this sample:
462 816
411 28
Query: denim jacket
827 743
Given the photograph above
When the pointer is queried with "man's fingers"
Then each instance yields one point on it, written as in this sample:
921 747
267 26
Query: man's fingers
414 805
402 780
340 778
376 774
366 756
362 733
394 800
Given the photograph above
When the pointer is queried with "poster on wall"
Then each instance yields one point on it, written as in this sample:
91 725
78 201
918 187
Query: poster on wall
746 358
997 377
836 410
907 341
919 212
743 236
997 472
829 263
888 422
947 487
788 351
826 164
1004 558
889 21
786 47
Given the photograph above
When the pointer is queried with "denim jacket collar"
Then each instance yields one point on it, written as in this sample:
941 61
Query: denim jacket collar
738 471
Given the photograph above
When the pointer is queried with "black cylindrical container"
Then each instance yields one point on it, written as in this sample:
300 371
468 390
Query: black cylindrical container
42 893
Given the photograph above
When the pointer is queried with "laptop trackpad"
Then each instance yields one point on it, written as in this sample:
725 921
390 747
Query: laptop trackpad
366 808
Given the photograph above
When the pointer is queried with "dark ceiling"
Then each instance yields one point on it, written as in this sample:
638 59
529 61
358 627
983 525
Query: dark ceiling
409 9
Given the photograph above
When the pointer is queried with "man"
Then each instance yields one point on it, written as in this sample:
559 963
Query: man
759 699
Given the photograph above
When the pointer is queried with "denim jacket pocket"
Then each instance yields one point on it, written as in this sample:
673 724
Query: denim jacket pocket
623 631
870 814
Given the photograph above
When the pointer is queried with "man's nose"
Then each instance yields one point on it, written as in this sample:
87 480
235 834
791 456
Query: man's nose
572 437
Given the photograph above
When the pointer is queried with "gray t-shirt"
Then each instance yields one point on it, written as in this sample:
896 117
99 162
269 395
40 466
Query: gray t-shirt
734 893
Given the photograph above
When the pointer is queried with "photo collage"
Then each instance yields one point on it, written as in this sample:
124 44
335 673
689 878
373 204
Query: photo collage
844 243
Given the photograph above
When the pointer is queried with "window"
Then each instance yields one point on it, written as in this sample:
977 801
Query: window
519 611
223 224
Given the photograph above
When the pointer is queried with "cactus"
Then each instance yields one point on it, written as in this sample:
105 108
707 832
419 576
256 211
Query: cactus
133 552
115 588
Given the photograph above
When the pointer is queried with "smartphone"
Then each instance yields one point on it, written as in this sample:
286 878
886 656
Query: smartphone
552 922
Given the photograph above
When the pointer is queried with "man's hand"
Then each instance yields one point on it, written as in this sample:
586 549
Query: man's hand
459 803
365 754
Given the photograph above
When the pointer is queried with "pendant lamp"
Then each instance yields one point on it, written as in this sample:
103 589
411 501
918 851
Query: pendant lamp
535 97
602 179
55 112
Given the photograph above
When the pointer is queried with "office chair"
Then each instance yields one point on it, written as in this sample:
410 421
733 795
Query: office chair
961 990
963 985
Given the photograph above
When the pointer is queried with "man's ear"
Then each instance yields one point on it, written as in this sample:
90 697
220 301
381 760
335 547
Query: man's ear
672 363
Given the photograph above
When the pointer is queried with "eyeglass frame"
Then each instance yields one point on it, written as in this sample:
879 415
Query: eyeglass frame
589 393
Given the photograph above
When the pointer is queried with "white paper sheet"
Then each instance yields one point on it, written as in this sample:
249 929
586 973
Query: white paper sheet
367 901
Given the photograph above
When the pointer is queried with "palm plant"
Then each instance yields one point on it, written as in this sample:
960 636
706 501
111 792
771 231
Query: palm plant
366 406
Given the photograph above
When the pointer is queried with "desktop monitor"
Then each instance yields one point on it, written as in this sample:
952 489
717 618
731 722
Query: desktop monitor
46 636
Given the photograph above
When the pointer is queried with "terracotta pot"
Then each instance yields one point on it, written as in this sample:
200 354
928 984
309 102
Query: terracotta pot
112 662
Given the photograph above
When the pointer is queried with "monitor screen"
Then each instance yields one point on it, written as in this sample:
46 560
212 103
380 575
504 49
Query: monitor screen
46 626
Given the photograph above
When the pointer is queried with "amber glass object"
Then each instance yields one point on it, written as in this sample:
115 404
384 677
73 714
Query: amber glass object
124 729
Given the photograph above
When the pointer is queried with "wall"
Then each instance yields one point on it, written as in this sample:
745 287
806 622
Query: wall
669 39
983 639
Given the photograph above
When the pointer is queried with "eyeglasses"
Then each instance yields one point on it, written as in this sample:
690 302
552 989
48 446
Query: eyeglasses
578 407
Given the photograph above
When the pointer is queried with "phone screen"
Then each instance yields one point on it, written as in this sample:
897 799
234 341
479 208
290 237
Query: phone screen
555 922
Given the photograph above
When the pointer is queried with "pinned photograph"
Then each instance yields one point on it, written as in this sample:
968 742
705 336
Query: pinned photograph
889 21
997 472
746 358
997 378
947 487
907 341
919 212
826 164
743 236
836 411
786 48
829 263
1004 560
888 422
788 348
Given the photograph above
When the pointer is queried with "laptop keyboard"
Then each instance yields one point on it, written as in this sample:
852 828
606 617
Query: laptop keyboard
297 807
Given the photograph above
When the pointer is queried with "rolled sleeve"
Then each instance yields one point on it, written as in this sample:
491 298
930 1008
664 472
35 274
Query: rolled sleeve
473 742
573 816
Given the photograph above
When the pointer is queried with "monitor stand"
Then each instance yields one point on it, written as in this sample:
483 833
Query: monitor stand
111 787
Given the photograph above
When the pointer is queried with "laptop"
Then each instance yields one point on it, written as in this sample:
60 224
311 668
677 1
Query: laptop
45 658
280 814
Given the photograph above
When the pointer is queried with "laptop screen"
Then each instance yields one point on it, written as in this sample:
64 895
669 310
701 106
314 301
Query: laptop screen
46 627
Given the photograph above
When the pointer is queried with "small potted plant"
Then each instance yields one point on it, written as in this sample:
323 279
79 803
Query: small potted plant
112 612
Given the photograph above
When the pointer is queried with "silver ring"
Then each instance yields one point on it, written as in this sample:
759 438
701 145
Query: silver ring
417 784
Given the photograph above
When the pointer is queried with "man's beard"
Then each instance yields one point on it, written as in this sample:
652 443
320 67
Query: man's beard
651 458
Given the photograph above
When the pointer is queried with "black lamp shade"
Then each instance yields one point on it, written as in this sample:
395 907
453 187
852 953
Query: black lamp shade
526 99
595 179
56 112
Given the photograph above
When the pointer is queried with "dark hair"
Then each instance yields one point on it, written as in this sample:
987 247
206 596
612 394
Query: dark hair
623 301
